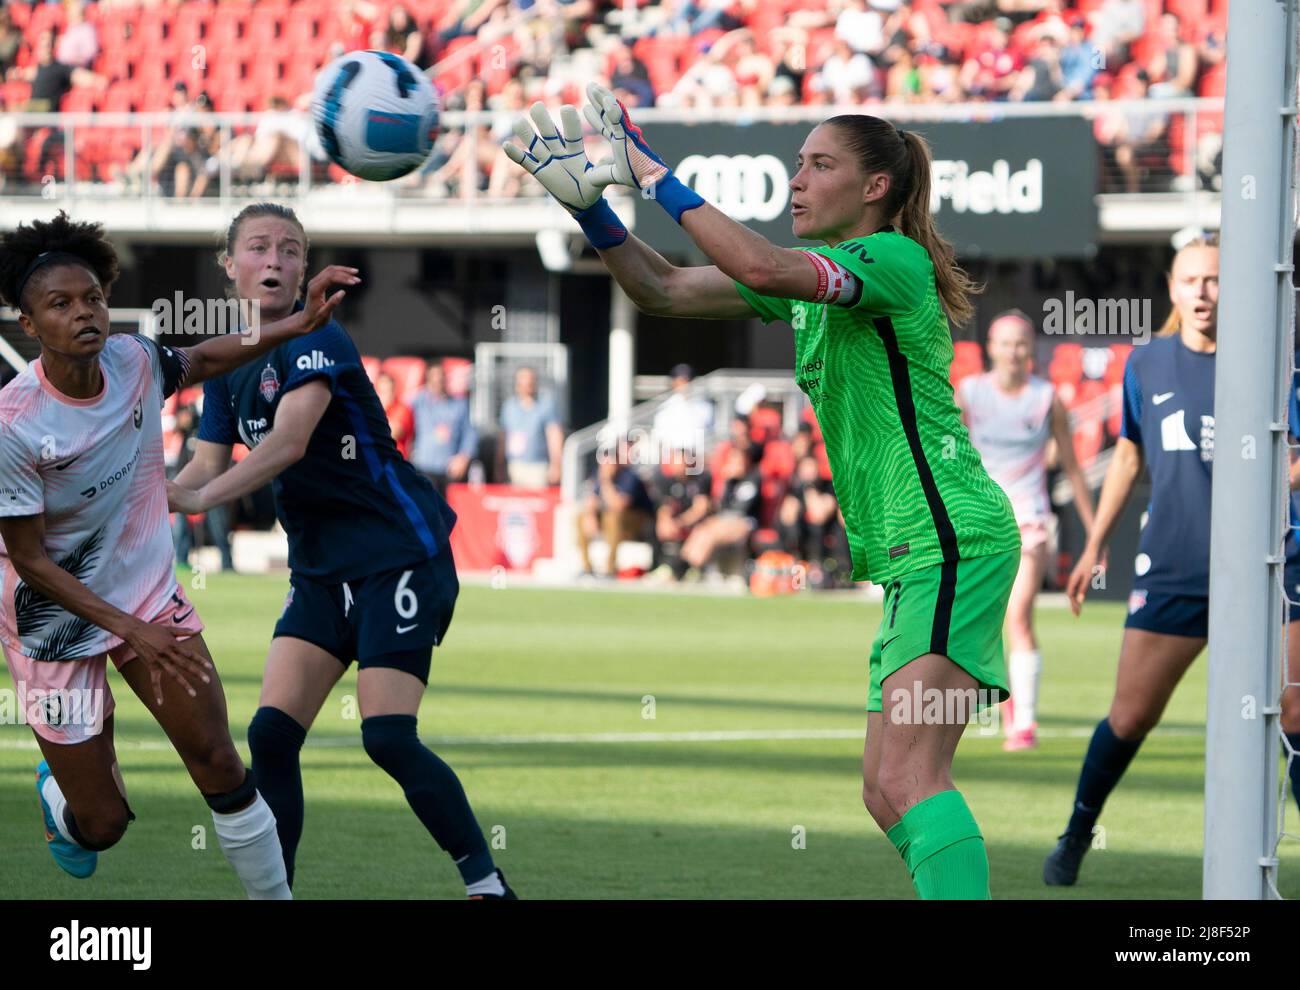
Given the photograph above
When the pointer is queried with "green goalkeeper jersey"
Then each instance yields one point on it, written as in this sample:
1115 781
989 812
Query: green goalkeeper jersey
912 488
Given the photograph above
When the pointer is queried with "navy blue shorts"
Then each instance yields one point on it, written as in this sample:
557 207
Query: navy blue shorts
1291 581
390 619
1167 613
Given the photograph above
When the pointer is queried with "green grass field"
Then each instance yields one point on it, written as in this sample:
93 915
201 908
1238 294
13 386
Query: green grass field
538 699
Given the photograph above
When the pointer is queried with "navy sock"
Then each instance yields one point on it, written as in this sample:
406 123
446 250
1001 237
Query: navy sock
1294 739
432 789
1108 757
275 740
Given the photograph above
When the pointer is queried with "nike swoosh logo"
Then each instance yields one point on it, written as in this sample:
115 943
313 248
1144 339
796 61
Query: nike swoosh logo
1162 397
68 463
182 618
406 629
888 641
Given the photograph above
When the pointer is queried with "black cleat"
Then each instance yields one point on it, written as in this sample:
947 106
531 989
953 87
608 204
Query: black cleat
1061 868
508 895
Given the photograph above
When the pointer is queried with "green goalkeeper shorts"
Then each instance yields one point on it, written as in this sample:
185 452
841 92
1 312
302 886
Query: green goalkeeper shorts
955 609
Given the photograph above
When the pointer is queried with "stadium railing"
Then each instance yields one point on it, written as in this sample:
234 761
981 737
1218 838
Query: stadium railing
66 159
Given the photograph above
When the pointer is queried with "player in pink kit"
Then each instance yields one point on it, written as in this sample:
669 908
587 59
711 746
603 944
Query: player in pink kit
1012 415
86 559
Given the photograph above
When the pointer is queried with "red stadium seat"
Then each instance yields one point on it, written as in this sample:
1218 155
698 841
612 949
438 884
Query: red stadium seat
371 366
1115 370
407 372
1145 48
764 424
1115 418
1190 12
45 17
262 29
459 375
778 460
21 13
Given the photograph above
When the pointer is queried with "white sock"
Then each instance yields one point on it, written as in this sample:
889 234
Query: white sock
1024 666
490 884
58 803
249 840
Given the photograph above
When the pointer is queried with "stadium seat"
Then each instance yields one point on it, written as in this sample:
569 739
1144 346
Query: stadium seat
407 372
1188 11
371 366
1115 370
459 375
764 424
778 460
45 17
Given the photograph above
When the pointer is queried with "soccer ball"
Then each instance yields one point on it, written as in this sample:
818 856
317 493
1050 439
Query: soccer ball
376 114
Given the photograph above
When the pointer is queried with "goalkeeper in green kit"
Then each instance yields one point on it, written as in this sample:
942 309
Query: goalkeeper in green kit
872 347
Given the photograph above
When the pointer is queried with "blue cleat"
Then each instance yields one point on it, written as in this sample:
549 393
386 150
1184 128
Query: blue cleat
79 862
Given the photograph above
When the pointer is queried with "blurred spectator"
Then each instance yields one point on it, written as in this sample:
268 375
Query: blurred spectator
1040 80
861 27
11 40
1080 62
445 439
808 520
629 78
684 501
1174 67
1132 143
79 43
531 434
1116 25
463 17
183 168
991 69
401 424
355 23
736 517
284 137
683 423
51 79
847 76
401 36
619 507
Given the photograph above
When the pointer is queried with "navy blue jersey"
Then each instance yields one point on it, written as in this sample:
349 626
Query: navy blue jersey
1169 414
352 506
1293 417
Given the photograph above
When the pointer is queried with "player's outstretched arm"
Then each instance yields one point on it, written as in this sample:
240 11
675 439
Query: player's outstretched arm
24 539
209 460
660 288
1121 476
555 157
738 252
217 355
1070 464
295 421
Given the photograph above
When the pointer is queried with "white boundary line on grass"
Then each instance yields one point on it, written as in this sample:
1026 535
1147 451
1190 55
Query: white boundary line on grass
553 738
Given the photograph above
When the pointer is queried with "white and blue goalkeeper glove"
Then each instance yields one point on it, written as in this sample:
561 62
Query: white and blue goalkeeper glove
633 163
555 157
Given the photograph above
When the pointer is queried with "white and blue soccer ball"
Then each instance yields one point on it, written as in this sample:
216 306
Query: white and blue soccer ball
376 114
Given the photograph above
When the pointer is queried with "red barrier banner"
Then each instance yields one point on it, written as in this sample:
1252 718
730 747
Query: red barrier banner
501 526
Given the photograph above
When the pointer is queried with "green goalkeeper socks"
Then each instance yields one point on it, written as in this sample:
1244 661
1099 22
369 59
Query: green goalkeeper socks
944 849
898 835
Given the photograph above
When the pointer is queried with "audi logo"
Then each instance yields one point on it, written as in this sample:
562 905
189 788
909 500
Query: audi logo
745 187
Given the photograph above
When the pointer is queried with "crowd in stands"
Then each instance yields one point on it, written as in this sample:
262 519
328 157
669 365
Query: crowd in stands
501 55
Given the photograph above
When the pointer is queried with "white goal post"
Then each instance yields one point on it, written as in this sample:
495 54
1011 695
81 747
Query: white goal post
1251 458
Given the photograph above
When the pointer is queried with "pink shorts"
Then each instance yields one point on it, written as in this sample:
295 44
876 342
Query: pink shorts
67 701
1033 534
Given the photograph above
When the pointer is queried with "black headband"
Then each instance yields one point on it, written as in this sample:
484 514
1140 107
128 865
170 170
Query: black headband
40 261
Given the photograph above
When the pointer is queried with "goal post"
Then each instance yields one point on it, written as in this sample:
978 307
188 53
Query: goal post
1248 518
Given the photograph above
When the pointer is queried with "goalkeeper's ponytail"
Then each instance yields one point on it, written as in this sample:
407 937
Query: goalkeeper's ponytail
905 156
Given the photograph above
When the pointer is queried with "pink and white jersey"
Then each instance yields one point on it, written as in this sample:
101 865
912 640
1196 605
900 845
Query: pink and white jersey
94 468
1011 434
